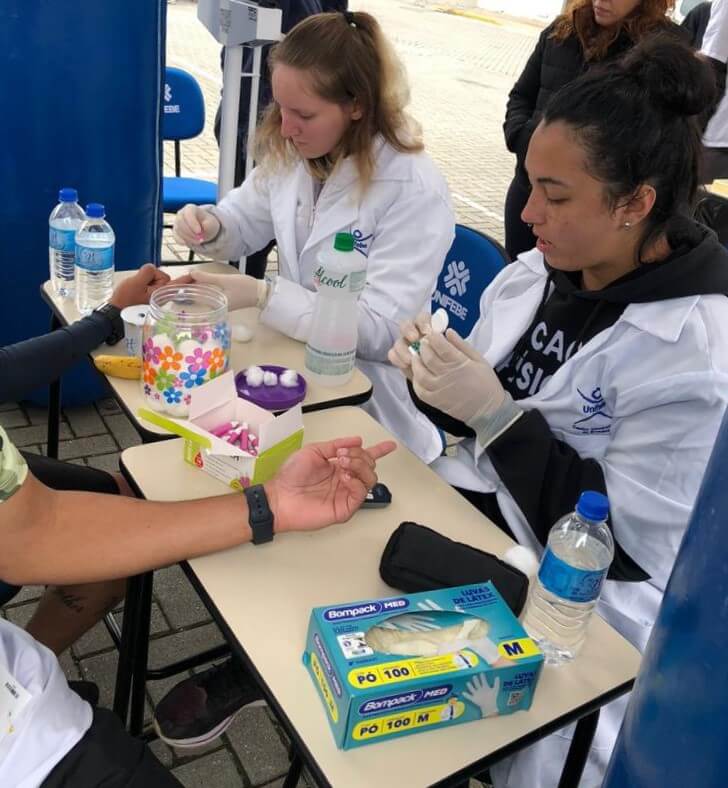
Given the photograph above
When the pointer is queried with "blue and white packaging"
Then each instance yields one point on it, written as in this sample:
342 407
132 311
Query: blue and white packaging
395 666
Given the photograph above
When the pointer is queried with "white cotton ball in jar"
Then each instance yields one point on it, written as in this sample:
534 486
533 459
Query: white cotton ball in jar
522 558
270 378
289 378
242 333
254 376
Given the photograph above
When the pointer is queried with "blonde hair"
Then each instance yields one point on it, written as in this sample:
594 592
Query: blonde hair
349 60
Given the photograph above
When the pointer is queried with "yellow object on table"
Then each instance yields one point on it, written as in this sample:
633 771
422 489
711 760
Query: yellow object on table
128 367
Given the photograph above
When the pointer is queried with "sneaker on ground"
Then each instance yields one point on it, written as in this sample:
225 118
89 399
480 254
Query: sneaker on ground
199 709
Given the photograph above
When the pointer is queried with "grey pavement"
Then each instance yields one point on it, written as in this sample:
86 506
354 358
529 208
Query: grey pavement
461 70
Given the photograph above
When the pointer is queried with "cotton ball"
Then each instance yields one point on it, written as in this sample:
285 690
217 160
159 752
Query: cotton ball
254 376
522 558
270 378
188 347
289 378
439 321
242 333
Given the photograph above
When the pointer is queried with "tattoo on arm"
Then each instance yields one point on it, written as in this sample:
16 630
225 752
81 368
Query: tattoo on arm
74 602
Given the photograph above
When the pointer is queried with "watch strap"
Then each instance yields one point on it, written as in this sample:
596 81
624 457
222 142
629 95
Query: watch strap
117 323
260 516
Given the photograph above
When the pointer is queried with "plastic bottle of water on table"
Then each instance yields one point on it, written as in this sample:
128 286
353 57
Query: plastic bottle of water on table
573 568
331 346
94 260
63 222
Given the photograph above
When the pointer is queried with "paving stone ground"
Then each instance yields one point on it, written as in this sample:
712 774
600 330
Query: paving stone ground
460 70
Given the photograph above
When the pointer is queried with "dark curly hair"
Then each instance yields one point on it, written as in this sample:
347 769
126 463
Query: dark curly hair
578 19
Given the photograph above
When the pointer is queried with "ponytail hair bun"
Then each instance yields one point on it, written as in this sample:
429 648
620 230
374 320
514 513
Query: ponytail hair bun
674 78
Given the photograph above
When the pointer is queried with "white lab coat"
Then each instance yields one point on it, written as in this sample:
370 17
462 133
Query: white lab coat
662 370
403 224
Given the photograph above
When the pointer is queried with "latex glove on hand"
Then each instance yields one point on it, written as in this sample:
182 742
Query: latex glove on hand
410 331
137 289
450 375
195 225
241 290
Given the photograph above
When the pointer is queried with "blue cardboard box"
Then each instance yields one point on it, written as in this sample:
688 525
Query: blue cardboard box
395 666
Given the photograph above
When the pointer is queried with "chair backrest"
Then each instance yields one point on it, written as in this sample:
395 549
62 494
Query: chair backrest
184 106
471 264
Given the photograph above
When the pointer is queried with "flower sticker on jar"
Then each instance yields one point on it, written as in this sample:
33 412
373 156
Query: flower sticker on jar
185 344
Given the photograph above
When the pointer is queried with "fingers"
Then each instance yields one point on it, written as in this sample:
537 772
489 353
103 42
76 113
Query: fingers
443 350
188 225
206 278
380 450
358 467
409 331
423 323
329 449
369 455
399 356
187 279
462 345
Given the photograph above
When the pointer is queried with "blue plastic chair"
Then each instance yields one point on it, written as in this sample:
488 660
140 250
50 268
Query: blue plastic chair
471 264
184 119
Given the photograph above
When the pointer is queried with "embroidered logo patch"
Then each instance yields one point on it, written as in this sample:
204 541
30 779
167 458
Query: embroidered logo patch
596 420
362 242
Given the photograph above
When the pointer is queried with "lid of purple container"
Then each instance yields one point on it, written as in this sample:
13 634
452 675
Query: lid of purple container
271 397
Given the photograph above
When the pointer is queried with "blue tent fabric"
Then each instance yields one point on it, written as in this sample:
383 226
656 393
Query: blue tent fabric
82 88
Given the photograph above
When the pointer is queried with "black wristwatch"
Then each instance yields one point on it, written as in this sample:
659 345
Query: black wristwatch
117 324
260 515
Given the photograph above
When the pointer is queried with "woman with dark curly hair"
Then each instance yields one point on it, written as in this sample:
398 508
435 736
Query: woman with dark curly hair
588 32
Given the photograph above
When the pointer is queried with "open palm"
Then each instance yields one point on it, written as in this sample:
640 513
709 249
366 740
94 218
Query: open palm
324 483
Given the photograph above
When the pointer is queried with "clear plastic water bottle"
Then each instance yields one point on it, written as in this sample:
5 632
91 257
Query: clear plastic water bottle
331 346
573 569
94 260
63 222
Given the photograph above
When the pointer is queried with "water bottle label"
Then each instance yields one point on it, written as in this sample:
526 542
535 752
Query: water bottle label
94 259
568 582
325 362
335 282
61 240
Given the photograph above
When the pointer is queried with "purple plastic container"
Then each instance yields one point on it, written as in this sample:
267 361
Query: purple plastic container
271 397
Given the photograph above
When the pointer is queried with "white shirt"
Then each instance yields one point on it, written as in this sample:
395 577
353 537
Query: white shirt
51 723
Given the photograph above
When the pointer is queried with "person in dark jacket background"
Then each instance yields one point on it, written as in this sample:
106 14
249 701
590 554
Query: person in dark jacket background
588 32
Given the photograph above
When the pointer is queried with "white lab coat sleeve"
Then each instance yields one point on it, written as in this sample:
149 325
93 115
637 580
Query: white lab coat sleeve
245 218
659 449
715 39
405 258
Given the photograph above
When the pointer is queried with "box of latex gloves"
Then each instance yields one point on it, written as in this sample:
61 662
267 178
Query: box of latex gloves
230 438
417 662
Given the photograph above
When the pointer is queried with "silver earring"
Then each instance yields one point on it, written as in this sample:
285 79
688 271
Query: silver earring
531 226
627 225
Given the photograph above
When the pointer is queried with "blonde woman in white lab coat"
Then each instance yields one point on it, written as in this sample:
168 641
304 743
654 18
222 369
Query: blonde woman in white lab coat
600 361
337 152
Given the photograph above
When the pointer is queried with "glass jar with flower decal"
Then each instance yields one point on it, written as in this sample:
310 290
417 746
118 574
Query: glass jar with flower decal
185 343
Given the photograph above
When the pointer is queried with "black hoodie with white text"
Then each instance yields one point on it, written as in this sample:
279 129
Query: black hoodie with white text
567 318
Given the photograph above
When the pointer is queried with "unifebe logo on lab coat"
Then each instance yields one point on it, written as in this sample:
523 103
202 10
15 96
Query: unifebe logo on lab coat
596 420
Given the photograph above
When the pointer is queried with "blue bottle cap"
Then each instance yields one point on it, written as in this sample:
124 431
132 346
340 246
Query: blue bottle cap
68 195
593 506
95 210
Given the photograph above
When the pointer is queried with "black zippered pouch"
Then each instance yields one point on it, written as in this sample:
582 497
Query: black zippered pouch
417 558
